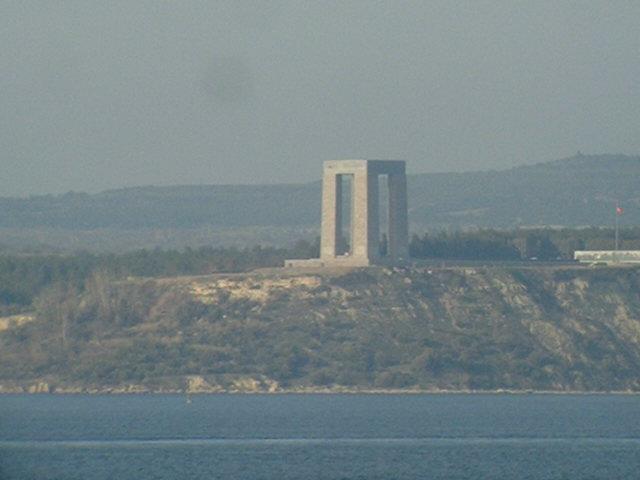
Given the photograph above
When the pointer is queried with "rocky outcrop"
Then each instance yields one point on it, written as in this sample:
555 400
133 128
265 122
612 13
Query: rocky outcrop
377 329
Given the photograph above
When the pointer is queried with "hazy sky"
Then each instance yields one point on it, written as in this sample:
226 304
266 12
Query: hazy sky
104 94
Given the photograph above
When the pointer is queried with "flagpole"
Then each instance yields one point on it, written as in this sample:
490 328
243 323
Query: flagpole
617 225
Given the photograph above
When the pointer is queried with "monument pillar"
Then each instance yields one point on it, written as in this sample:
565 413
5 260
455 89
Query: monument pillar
398 243
331 214
364 217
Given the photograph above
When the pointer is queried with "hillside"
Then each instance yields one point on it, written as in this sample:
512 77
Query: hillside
520 328
577 191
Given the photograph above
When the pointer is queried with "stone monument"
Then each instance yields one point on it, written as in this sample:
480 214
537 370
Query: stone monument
366 246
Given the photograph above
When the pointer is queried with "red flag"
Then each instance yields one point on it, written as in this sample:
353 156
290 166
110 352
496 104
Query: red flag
619 210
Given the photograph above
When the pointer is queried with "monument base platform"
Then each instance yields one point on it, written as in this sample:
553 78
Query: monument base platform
343 261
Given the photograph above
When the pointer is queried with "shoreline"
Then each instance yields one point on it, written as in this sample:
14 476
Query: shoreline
115 391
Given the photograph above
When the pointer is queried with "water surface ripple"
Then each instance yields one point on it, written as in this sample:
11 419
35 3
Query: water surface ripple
319 437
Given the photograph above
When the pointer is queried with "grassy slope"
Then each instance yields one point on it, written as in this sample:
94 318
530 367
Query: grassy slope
544 329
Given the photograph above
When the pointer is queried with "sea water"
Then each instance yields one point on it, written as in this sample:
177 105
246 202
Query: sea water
471 436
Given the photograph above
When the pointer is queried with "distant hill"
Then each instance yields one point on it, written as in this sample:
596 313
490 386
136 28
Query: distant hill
163 207
576 191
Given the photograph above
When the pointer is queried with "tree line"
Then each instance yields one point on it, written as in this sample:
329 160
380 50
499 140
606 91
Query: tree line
519 244
23 277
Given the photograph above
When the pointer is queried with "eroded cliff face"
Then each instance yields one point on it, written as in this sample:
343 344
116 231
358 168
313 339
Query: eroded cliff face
362 329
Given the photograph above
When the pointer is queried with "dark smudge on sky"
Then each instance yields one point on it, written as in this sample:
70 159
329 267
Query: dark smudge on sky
97 95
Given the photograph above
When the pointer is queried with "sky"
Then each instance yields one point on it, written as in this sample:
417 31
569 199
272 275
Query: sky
97 95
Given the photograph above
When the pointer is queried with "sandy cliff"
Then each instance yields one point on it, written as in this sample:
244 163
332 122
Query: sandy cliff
377 329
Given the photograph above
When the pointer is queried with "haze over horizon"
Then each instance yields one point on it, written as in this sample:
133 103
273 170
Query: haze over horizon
106 95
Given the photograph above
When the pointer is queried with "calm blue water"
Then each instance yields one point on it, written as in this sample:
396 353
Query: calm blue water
319 437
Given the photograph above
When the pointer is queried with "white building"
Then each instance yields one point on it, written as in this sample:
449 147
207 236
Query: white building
607 257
